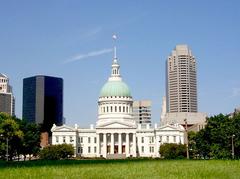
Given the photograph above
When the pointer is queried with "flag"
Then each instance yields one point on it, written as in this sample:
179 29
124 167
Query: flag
114 37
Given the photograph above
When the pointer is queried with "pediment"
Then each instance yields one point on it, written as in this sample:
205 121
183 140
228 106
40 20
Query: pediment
170 128
63 128
117 125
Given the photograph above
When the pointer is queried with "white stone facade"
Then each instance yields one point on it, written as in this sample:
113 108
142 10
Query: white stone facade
117 140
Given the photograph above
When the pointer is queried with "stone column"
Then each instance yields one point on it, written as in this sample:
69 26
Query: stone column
104 152
112 144
134 146
119 143
127 145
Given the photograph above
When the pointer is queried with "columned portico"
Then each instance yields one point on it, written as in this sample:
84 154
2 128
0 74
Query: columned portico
112 144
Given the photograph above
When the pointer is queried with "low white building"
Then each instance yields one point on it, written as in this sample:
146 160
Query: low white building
116 134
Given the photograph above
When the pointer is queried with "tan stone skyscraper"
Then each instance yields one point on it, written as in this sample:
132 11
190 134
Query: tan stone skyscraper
181 81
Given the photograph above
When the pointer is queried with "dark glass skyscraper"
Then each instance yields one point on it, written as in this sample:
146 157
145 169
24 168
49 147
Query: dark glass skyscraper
43 101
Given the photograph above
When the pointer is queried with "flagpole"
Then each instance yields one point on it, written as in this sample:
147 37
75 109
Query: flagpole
115 48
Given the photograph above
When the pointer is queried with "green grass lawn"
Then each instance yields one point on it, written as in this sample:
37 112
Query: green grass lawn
121 169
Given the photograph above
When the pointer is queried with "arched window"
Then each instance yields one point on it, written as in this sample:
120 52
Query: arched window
107 108
127 109
123 108
111 109
104 109
115 108
119 108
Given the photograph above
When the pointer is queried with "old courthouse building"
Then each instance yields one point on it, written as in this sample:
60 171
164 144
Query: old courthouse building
116 133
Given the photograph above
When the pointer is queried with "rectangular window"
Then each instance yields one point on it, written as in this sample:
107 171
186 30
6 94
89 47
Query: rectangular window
95 140
142 149
151 139
64 139
174 138
95 149
71 140
89 139
79 150
81 139
78 139
57 139
142 139
89 149
167 138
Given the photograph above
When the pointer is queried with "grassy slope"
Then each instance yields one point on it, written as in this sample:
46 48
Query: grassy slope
122 169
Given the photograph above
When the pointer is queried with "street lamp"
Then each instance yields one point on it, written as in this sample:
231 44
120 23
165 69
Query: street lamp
186 129
233 146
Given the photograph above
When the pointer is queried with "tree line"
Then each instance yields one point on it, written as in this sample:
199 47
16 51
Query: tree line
220 139
19 137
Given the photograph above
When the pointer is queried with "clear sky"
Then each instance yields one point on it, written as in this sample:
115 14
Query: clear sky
73 40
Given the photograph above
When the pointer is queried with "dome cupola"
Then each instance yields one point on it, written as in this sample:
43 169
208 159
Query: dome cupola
115 86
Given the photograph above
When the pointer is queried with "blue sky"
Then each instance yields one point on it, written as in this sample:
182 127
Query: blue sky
72 40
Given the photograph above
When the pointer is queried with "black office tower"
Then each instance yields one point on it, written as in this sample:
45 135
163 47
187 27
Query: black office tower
43 101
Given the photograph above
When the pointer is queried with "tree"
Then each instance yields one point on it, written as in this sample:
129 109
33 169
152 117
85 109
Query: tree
173 151
193 153
18 137
10 134
215 140
236 133
30 143
56 152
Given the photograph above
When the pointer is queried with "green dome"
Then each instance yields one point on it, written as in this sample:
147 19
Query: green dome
115 88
